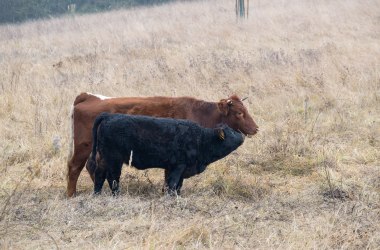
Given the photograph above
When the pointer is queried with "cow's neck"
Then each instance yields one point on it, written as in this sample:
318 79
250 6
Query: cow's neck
207 114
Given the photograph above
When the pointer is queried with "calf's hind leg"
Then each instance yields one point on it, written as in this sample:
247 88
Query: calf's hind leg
100 176
165 186
90 166
113 177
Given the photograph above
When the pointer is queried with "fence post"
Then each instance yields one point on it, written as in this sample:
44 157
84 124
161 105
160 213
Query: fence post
240 8
71 8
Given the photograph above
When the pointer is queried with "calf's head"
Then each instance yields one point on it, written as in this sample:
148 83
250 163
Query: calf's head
221 142
228 137
236 115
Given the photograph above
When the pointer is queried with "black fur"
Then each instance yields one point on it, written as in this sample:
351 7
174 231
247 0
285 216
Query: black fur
181 147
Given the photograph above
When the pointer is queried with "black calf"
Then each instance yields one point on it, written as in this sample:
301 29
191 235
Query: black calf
181 147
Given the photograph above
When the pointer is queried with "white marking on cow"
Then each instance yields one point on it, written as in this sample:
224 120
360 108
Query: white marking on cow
130 159
114 184
101 97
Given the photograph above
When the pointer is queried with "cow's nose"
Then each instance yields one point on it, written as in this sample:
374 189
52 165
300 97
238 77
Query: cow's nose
256 130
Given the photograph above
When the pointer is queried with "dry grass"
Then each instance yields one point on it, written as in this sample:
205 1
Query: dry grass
309 179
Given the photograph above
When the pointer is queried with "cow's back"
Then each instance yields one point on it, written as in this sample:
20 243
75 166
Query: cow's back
87 106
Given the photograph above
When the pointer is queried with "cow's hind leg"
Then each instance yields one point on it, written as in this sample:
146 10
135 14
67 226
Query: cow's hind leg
75 166
174 179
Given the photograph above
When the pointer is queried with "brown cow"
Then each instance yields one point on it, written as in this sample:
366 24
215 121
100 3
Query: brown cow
208 114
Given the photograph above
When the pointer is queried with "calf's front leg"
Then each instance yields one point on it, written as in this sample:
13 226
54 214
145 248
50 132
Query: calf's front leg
179 186
165 185
175 180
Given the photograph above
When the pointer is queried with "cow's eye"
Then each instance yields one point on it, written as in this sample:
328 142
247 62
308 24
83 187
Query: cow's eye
239 113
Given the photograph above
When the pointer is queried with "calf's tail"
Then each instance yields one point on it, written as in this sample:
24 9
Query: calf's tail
97 123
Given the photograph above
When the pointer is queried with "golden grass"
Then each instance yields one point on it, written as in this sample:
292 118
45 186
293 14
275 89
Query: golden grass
309 179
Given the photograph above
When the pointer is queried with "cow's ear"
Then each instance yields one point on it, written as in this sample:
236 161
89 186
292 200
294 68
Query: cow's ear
224 106
220 133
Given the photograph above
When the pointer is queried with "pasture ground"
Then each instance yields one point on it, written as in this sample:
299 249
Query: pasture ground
309 179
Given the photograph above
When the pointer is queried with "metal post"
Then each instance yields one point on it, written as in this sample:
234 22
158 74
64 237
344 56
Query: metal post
247 8
240 8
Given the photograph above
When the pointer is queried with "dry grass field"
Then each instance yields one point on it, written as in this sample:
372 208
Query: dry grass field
310 179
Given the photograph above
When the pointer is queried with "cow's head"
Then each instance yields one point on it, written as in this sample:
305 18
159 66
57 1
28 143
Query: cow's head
236 115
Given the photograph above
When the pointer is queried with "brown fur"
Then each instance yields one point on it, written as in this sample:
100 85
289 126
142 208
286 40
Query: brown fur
208 114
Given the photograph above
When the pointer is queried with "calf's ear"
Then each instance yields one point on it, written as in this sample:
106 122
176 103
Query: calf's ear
224 106
220 133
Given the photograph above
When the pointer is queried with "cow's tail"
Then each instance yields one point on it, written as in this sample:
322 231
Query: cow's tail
97 122
82 97
71 142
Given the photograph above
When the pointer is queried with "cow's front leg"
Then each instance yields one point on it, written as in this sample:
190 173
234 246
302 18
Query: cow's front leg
174 179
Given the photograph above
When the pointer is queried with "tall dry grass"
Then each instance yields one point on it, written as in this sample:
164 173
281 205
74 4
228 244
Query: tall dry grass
309 179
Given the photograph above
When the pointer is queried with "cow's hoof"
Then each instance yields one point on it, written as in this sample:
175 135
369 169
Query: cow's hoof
116 193
173 193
